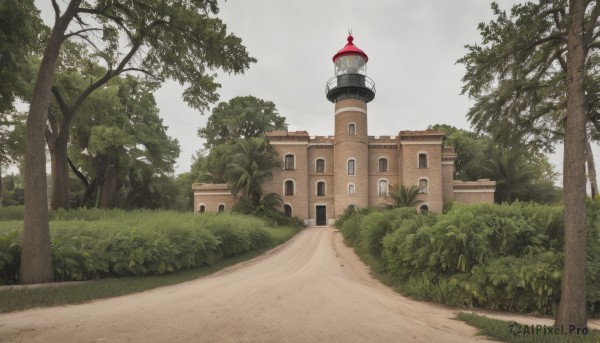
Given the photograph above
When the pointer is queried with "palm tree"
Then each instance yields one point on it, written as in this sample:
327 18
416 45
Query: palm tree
250 164
404 196
513 175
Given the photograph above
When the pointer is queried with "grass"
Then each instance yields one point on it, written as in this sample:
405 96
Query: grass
22 299
501 330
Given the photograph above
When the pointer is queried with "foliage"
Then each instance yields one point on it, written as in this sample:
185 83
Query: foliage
403 196
20 27
121 147
12 213
501 330
501 257
470 150
521 173
242 117
517 74
91 244
250 164
180 40
268 208
23 298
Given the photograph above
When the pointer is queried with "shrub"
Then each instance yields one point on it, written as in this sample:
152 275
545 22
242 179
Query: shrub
351 229
10 256
504 257
12 213
90 244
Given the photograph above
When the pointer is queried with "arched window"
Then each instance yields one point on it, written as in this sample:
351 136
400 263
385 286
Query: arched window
423 160
202 208
320 166
383 187
351 129
320 188
287 210
383 165
351 167
423 186
221 208
288 188
351 189
288 163
424 209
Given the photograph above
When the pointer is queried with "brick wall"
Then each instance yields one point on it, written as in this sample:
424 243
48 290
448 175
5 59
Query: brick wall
298 201
474 197
409 152
351 146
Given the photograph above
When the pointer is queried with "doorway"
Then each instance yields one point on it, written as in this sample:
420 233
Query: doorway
321 215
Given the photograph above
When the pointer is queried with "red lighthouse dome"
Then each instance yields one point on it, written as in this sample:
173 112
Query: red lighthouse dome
350 49
350 60
350 79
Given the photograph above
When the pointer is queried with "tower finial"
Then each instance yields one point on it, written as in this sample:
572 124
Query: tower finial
349 31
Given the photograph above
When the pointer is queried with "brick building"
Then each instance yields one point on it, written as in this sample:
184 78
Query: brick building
324 175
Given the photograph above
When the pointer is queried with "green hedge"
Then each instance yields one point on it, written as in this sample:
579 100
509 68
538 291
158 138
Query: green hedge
91 244
502 257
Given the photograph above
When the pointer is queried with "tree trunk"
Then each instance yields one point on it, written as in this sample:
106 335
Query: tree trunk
572 307
591 168
108 194
60 190
36 257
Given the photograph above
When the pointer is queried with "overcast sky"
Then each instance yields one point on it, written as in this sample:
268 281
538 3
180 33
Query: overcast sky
412 47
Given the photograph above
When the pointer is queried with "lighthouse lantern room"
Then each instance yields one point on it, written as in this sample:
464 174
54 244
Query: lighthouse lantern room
350 80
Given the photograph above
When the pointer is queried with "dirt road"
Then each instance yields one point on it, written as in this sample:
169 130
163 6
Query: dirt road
312 289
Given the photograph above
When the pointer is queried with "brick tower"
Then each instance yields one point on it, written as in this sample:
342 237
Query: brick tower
350 90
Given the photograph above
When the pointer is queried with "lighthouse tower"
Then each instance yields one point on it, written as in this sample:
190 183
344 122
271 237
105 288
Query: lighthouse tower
350 90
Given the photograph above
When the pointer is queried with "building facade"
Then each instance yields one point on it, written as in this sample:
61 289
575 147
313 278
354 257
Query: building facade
322 176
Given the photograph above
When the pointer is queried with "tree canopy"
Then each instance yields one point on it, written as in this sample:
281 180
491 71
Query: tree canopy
20 28
517 76
241 117
174 39
521 172
534 82
250 164
121 145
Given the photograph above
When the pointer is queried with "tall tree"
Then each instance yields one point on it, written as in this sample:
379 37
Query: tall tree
164 39
121 142
572 309
529 81
241 117
251 163
518 76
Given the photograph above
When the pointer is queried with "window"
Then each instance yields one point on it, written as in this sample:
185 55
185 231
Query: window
202 208
289 188
351 190
423 186
288 162
320 188
383 165
383 187
320 167
424 209
287 211
422 160
352 129
221 208
351 166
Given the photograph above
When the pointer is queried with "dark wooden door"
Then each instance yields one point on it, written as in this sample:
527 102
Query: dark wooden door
321 215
